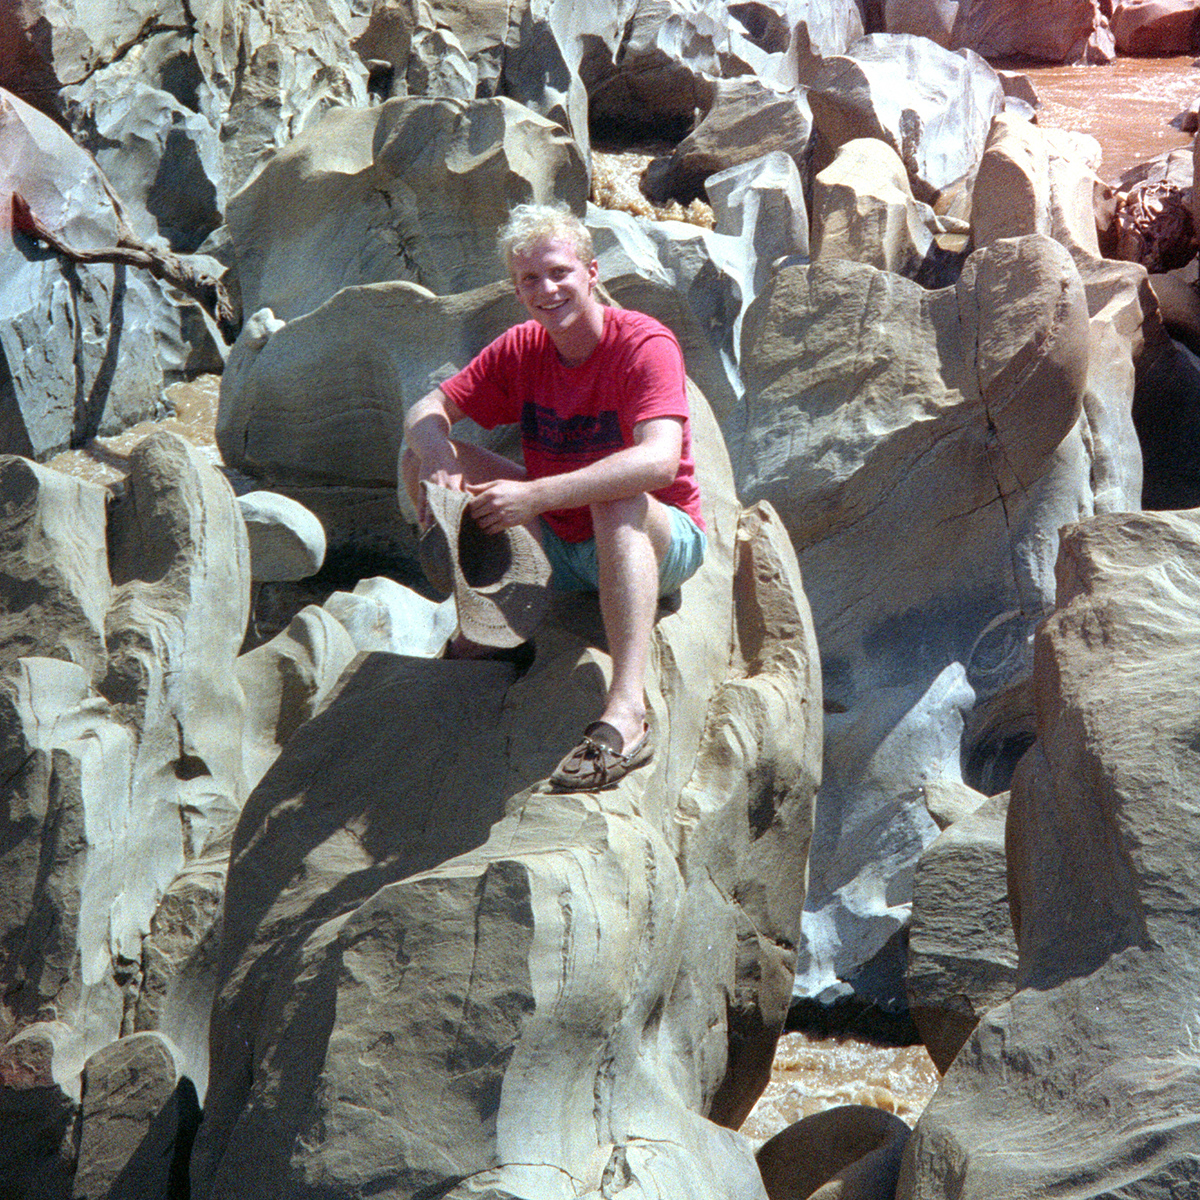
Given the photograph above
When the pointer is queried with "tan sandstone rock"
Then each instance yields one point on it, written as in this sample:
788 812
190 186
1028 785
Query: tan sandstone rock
851 1152
450 971
944 425
1086 1079
1065 31
864 211
962 957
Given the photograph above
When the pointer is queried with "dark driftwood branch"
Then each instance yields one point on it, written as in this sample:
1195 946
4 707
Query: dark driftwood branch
207 290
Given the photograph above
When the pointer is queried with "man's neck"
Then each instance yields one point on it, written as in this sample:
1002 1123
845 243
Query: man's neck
576 344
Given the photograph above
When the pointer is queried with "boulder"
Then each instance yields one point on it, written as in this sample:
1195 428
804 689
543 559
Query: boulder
932 106
54 585
136 1122
1166 412
179 561
745 121
320 400
1032 180
37 1153
413 190
1083 1081
65 42
1159 27
381 614
268 72
179 964
962 957
1179 304
122 769
138 118
1066 31
286 681
83 349
864 211
1155 213
761 203
851 1152
874 405
286 541
448 971
871 827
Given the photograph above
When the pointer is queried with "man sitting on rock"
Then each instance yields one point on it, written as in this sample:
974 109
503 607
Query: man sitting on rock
608 486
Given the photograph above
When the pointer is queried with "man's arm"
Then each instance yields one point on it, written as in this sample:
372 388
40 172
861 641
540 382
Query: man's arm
652 462
427 437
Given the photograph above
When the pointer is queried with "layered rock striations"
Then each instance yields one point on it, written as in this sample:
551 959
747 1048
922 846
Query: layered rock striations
484 980
1086 1078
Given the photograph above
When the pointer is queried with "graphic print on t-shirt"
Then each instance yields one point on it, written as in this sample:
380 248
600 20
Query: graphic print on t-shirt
582 437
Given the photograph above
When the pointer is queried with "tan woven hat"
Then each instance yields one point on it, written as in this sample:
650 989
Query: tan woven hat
499 581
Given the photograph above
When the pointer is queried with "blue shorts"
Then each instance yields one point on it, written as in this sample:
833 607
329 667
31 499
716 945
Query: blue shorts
575 568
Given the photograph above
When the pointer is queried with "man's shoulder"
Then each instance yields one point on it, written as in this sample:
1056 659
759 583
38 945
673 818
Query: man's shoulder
637 335
629 323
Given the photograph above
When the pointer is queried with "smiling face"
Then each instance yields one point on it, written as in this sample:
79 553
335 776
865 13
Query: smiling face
558 292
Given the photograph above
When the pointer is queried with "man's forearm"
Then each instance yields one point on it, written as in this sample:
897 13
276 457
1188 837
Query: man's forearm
620 475
427 430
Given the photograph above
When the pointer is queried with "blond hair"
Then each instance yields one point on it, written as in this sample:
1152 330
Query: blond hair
529 224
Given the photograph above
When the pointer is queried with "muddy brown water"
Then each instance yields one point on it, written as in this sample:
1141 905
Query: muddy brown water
1127 106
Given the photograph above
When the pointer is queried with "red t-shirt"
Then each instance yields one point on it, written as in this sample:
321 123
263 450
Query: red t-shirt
573 416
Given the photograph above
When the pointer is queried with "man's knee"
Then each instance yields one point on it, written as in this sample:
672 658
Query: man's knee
627 511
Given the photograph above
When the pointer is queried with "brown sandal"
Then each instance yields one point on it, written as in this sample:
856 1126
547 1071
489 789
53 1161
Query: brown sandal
597 762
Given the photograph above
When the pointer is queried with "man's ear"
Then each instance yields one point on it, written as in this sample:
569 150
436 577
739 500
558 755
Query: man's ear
593 272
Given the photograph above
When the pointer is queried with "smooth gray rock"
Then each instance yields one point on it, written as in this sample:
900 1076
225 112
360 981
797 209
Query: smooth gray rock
414 190
83 350
287 542
381 614
320 400
745 121
54 585
567 1018
131 1118
122 770
870 828
1085 1081
932 106
962 956
287 680
179 964
964 431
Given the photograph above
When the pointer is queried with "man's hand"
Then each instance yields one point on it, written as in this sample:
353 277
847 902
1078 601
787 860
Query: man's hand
503 503
447 474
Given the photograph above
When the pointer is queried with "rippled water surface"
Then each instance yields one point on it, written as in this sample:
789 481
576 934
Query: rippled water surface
812 1074
1127 105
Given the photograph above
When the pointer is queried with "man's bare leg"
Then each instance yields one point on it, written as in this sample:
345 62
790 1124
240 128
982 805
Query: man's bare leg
632 537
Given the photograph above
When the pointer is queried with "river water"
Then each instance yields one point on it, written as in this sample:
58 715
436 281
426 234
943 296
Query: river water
1126 105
